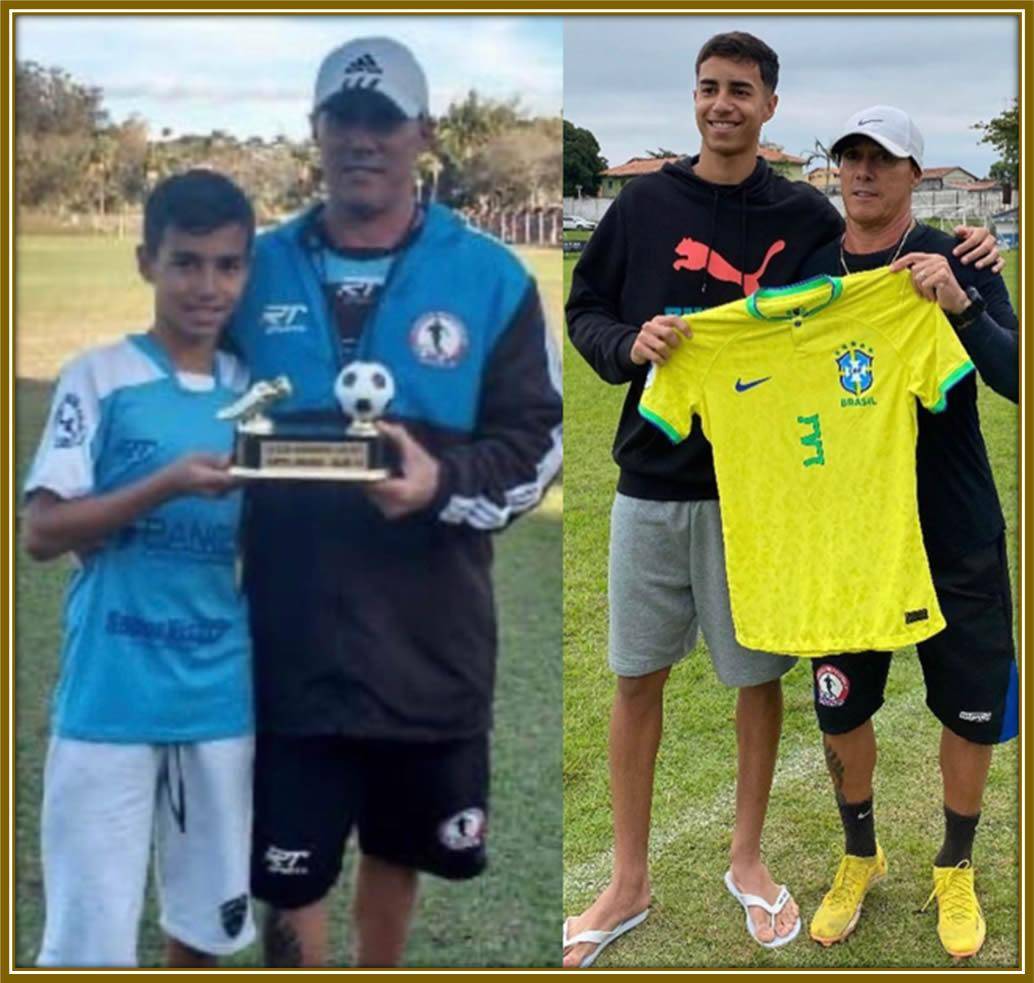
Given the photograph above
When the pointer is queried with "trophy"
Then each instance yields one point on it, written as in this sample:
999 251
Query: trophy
316 446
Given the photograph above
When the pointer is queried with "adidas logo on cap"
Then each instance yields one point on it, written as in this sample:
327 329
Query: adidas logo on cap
381 64
366 64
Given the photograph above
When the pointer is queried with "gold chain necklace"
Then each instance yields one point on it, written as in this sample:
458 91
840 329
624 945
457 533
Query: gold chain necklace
897 252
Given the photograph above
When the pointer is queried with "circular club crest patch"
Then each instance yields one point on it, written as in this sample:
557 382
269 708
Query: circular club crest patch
69 422
439 338
464 831
833 686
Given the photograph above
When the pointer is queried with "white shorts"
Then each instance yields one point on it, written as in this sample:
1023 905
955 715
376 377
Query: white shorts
101 804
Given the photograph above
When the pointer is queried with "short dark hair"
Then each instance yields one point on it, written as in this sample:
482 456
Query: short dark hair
741 46
198 201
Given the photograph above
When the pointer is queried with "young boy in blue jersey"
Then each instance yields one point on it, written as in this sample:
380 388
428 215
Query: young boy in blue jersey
152 728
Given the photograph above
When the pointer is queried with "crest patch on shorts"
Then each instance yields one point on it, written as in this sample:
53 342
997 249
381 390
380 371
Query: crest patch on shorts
464 831
232 914
833 686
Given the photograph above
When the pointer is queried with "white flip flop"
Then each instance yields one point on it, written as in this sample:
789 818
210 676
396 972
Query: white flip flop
601 939
749 901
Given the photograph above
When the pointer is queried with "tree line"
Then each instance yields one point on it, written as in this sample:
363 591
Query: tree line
72 158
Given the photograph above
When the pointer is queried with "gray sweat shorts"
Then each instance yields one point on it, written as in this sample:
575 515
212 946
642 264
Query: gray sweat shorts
667 582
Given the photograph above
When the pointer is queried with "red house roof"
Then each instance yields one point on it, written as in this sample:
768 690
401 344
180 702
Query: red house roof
944 171
638 165
774 156
976 185
647 165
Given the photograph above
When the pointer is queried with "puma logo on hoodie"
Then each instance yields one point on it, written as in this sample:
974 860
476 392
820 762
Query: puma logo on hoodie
696 255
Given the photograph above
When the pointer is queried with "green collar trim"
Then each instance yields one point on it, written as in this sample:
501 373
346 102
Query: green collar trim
960 373
835 284
658 421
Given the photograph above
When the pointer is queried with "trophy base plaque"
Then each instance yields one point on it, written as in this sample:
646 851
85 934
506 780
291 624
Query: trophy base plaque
308 450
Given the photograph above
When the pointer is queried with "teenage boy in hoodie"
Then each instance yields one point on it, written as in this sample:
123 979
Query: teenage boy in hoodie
372 609
702 232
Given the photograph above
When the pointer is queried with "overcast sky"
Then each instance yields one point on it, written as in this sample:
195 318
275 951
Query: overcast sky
253 75
630 80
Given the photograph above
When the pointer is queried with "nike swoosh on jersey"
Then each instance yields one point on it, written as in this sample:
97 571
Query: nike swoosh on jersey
742 387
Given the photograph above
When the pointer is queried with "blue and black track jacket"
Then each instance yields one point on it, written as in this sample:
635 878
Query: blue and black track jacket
386 629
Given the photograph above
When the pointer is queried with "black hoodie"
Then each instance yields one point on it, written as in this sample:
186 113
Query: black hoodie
672 244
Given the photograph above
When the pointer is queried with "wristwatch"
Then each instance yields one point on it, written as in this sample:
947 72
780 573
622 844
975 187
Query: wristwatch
972 313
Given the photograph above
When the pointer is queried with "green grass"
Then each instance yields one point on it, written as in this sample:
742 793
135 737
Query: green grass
694 922
74 292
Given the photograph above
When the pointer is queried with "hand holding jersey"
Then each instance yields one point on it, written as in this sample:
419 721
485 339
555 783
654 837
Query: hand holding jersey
658 338
933 279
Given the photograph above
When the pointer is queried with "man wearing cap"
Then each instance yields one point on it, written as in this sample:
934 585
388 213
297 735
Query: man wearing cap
372 610
970 667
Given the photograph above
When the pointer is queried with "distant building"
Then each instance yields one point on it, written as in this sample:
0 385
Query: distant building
826 179
1007 227
939 178
615 178
781 162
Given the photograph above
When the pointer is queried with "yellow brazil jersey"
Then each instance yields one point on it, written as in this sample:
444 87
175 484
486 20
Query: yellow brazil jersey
808 396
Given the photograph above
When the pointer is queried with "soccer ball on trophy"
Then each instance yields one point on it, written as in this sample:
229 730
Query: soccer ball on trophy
364 390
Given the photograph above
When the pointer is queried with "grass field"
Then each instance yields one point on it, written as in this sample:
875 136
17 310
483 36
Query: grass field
73 292
694 922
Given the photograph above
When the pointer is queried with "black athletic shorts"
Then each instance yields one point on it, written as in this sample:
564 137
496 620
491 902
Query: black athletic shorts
969 667
418 805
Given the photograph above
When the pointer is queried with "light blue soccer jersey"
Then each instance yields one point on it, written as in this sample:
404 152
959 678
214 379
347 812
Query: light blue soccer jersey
156 645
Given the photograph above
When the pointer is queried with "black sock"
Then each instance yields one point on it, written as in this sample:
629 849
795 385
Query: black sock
859 828
958 839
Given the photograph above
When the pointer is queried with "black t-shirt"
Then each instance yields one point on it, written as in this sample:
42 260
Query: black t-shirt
354 279
958 503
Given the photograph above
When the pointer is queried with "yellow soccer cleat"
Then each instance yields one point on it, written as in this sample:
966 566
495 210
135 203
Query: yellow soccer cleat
841 907
960 920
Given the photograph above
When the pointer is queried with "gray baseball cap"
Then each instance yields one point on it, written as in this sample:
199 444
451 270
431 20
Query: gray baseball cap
890 127
374 65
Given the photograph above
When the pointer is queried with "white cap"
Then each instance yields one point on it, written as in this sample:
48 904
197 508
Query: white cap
891 128
375 65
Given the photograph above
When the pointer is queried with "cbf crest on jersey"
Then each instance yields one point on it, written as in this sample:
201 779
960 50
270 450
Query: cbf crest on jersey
439 338
856 370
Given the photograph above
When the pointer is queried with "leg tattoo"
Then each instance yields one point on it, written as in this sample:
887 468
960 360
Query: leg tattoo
280 941
836 770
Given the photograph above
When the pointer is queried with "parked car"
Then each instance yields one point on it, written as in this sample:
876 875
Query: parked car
572 222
